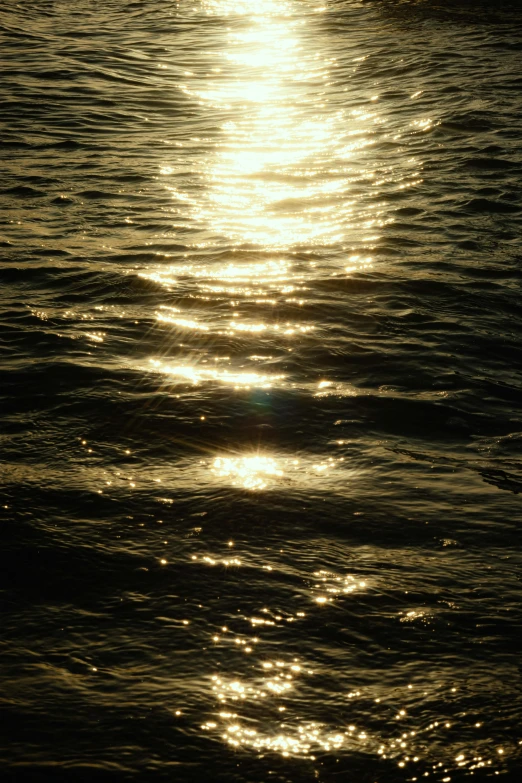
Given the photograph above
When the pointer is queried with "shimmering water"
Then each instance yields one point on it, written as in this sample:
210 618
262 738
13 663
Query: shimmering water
262 441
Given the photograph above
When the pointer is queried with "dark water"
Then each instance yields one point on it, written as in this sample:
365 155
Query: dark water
261 348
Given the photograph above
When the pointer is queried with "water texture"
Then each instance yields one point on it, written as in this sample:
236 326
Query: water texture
261 383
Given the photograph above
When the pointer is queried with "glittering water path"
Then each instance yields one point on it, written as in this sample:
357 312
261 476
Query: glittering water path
261 432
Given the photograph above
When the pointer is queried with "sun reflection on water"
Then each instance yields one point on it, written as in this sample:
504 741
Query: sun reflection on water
265 709
261 471
264 712
285 169
249 278
224 325
249 472
330 586
195 375
288 172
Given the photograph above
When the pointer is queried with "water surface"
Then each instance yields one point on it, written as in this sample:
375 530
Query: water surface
262 443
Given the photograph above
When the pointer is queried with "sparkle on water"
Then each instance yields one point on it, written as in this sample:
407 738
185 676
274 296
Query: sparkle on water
250 472
261 471
280 177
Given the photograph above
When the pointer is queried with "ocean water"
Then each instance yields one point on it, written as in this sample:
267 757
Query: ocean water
261 391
